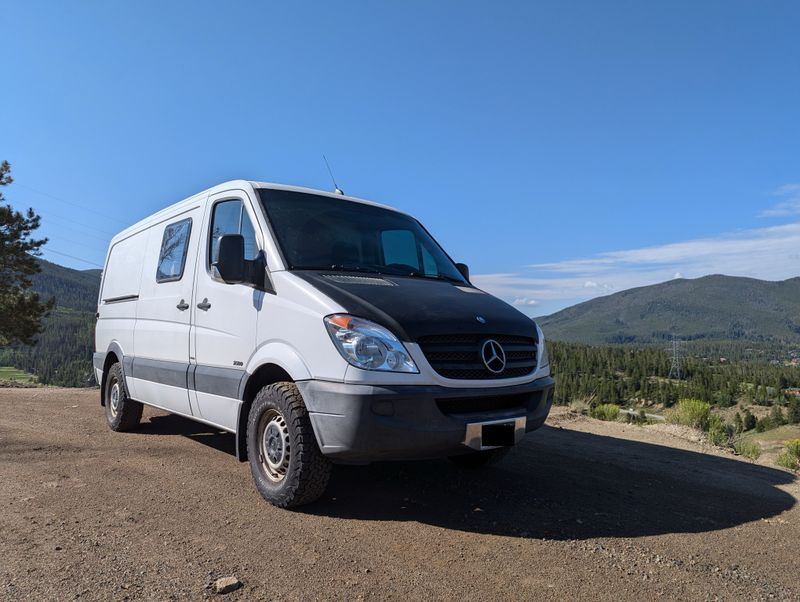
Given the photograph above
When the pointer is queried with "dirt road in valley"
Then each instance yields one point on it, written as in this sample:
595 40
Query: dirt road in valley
581 509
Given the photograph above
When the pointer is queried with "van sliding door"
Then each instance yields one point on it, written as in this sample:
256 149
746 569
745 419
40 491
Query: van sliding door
161 337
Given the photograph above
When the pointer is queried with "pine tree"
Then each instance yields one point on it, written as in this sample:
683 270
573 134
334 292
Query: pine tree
776 416
793 413
738 423
21 311
749 420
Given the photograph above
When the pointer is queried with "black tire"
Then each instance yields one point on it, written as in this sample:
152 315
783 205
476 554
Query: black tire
287 466
477 459
122 412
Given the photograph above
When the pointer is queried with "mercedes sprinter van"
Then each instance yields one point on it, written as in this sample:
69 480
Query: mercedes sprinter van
317 328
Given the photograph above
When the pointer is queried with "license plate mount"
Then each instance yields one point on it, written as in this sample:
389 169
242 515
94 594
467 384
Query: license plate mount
491 434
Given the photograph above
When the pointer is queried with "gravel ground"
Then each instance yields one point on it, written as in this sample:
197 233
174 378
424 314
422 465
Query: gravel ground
581 509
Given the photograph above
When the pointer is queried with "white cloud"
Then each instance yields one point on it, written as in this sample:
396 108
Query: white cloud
769 253
524 301
790 205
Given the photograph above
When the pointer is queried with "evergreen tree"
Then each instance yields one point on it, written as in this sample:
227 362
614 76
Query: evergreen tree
749 420
793 413
738 423
21 311
776 416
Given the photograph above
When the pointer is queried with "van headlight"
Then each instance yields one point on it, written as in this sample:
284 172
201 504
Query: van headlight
367 345
544 357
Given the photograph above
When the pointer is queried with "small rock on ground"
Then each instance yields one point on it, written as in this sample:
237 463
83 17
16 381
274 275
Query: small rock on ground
225 585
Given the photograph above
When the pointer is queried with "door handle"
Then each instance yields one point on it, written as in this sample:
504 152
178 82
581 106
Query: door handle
205 305
183 306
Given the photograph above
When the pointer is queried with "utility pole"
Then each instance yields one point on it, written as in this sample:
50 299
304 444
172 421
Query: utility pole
676 367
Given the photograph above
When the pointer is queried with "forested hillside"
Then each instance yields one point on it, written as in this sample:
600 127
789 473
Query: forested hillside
63 353
73 289
627 374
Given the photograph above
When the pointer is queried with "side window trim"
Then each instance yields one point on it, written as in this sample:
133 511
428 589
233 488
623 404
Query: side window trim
161 279
213 214
210 230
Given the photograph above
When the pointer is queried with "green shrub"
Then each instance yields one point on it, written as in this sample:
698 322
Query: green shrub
748 449
690 412
719 433
776 416
793 447
788 460
790 456
605 411
765 424
581 406
639 417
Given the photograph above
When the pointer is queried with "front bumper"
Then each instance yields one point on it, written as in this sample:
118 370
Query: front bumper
361 423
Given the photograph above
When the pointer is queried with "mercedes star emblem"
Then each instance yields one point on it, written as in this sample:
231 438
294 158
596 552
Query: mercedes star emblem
494 358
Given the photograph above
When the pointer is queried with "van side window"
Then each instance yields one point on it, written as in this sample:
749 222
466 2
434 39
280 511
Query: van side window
230 217
174 245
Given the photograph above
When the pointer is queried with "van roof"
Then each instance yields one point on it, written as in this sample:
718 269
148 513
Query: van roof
232 185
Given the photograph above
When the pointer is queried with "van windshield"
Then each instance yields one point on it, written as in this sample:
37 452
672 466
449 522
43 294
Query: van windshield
325 233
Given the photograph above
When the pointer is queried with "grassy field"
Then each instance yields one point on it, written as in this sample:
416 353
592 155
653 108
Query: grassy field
773 439
13 375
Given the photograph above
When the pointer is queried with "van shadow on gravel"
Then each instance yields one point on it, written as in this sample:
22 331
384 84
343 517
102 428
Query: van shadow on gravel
558 484
170 424
563 484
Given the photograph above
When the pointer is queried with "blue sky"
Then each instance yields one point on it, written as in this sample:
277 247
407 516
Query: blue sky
562 149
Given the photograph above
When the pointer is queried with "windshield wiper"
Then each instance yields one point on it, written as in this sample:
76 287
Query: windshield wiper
432 277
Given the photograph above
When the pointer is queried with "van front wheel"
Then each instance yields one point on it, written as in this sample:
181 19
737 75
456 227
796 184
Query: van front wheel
287 465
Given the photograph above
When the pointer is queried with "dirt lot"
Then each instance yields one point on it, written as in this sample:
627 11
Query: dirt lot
581 509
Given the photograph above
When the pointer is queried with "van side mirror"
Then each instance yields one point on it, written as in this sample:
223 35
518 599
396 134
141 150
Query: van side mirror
464 269
230 262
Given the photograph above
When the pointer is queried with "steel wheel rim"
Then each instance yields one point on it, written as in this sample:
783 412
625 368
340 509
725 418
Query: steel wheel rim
114 399
274 449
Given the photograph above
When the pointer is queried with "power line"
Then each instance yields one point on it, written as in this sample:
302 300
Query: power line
73 257
73 203
74 223
82 244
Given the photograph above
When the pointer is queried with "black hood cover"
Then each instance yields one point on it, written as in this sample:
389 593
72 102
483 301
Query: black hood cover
417 307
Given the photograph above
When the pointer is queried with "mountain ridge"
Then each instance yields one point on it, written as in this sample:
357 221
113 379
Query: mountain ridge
713 307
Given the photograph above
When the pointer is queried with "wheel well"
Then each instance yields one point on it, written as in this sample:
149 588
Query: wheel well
263 376
111 359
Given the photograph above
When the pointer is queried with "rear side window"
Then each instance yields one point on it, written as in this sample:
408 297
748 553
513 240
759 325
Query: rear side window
174 246
230 217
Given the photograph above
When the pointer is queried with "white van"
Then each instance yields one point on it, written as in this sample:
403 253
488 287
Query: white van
317 328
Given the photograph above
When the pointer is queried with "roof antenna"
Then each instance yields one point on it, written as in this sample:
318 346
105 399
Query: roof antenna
336 189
